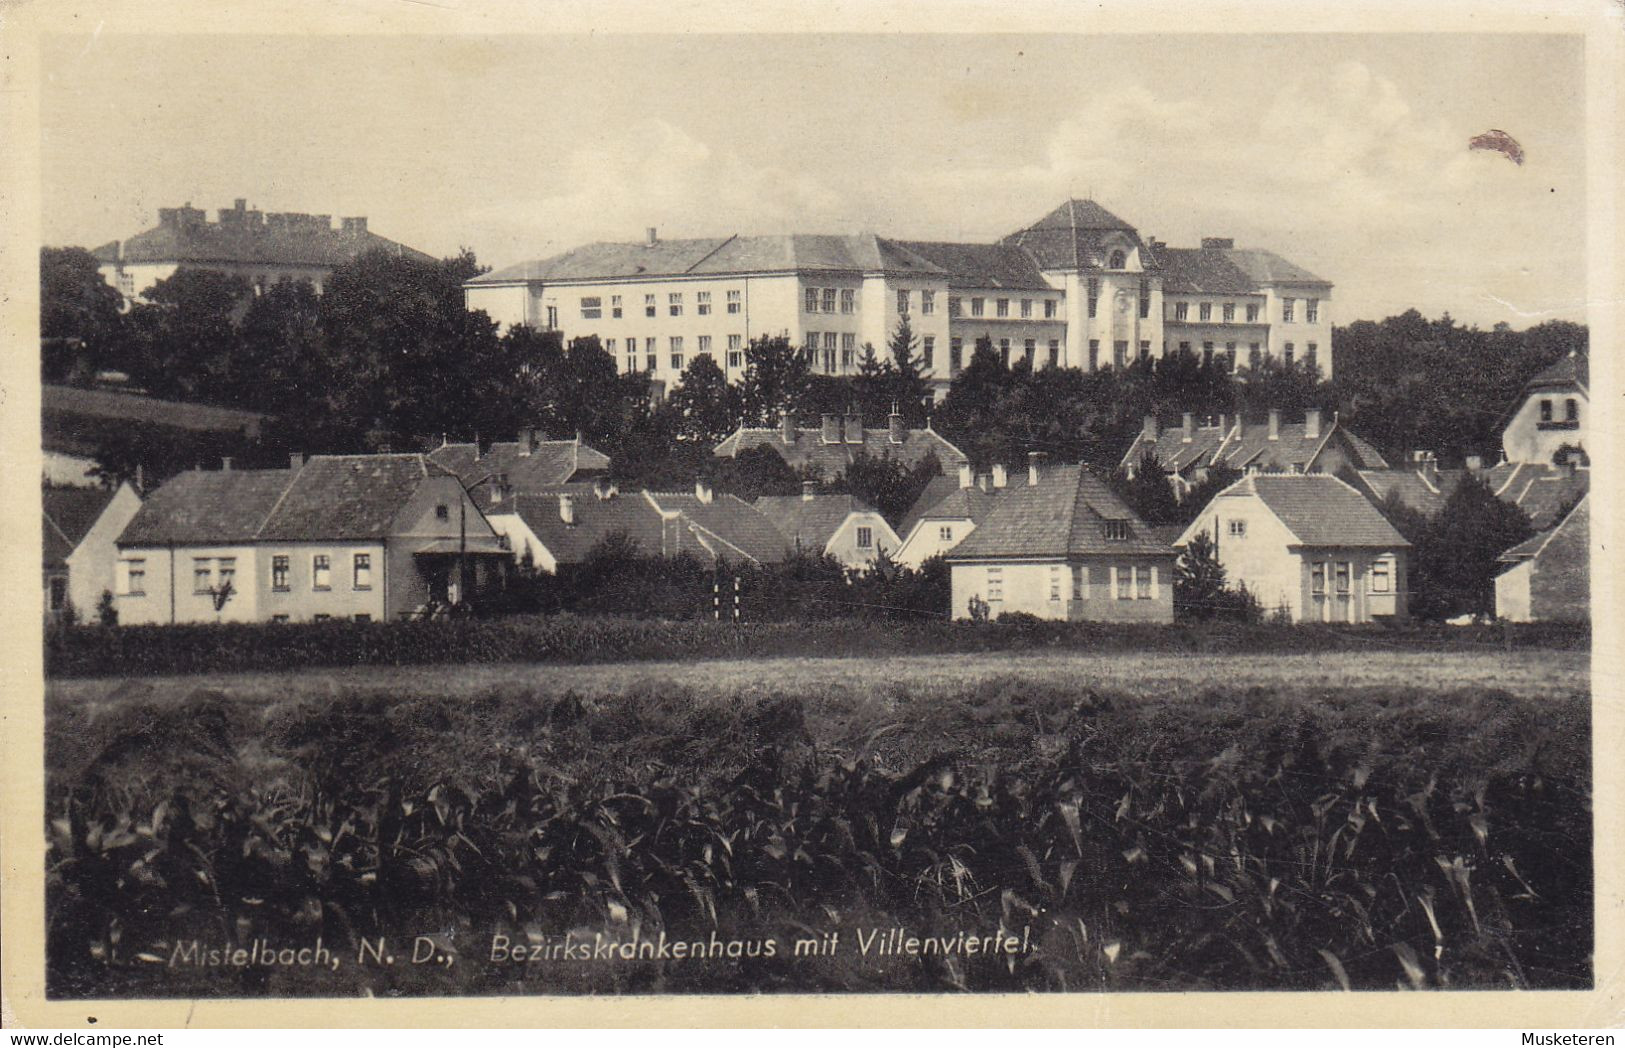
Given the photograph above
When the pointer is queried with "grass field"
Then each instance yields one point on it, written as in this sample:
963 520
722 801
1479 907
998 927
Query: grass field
1145 820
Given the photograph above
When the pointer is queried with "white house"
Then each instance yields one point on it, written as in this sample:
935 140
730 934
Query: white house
946 512
839 526
1308 544
81 526
1548 576
1552 415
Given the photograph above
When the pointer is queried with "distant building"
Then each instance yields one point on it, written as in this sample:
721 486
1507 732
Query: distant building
946 512
1543 492
264 249
528 465
839 440
726 524
1553 413
81 555
1078 288
74 424
1309 545
1548 577
1063 546
1188 451
363 537
840 526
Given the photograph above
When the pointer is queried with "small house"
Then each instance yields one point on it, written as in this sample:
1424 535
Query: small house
946 512
1552 414
1548 576
81 526
840 526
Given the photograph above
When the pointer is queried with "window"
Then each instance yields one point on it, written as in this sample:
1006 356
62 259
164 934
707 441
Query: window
866 538
1317 578
609 345
1116 260
1026 308
702 303
1004 351
1049 309
902 301
1344 571
1229 312
946 533
1145 349
733 301
674 303
928 351
648 305
362 573
995 584
1571 410
279 574
1254 356
812 300
1094 354
1094 295
1054 352
1312 357
1311 310
1204 312
1143 577
553 318
321 572
363 617
1182 310
953 305
1238 529
976 305
1145 298
829 300
442 512
279 618
226 569
1287 305
849 349
1027 349
956 355
928 302
1115 530
202 575
1184 347
1080 582
705 344
736 353
849 300
1290 354
1120 353
812 342
1207 353
649 348
1545 410
676 359
1055 582
1382 576
1123 583
1001 307
135 577
829 340
615 306
649 362
592 308
1252 312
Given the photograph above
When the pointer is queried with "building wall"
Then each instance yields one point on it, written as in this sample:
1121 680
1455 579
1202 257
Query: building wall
520 537
1512 593
843 545
1560 586
1300 333
1527 439
925 540
1029 586
1362 603
93 565
302 601
507 304
170 574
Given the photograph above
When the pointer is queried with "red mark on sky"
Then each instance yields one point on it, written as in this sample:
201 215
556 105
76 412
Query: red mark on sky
1499 142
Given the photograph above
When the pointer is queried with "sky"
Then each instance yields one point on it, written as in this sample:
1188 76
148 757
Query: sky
1347 154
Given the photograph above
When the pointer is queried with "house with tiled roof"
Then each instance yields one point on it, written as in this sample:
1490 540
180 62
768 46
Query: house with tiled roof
1552 414
1307 545
827 451
834 525
1314 445
362 537
79 528
1060 544
1547 577
1080 287
726 525
530 464
1544 491
947 511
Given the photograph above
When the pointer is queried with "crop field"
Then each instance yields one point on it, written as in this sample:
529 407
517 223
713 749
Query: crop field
998 821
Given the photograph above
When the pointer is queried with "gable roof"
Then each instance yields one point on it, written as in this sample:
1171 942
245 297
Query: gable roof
1318 509
944 499
72 512
309 242
1062 515
729 521
1540 490
549 464
1533 546
207 506
346 497
1574 369
719 256
1075 235
1227 271
1242 444
595 519
830 460
810 522
981 265
1424 492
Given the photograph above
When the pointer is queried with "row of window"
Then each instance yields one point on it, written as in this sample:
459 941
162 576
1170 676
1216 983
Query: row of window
214 574
592 306
1571 410
1001 307
824 300
1123 582
676 346
1341 574
1227 311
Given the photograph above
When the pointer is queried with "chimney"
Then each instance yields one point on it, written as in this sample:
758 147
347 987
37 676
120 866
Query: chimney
854 428
832 429
296 460
702 490
787 428
985 481
652 238
240 204
1429 467
1148 429
1218 243
1035 467
225 465
524 441
567 508
604 488
1241 426
999 477
807 490
967 476
894 425
1224 425
1475 463
140 478
1311 424
1275 423
1187 427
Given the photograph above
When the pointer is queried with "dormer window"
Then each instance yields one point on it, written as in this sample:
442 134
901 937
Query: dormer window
1116 260
1115 530
442 512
